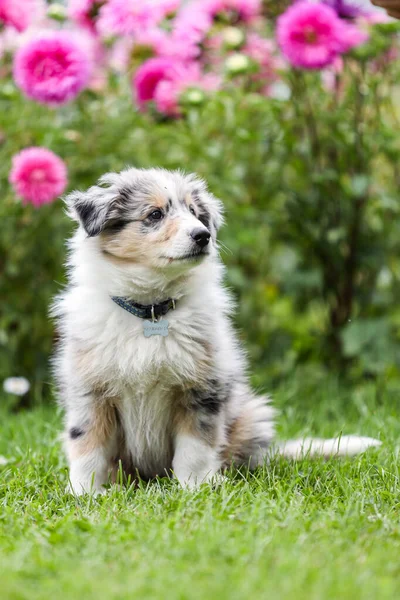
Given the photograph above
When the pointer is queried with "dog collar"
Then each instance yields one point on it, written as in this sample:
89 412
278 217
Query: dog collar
145 311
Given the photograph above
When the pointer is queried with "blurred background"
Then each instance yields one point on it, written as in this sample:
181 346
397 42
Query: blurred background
289 111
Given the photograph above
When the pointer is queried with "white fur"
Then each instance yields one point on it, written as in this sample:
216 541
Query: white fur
194 461
346 445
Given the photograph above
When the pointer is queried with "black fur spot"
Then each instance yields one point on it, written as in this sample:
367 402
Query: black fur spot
75 433
84 210
116 225
91 217
210 399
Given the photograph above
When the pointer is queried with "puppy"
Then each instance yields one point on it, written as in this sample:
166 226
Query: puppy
149 369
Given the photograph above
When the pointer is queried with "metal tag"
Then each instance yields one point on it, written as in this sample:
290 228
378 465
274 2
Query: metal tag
155 328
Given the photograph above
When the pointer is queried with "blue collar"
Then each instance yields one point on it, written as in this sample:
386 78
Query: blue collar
145 311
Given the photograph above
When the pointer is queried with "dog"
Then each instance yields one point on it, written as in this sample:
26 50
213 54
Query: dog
150 372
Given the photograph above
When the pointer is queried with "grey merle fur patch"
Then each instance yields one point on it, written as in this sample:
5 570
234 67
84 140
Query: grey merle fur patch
210 399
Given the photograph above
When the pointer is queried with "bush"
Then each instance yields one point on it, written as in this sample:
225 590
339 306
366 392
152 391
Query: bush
304 159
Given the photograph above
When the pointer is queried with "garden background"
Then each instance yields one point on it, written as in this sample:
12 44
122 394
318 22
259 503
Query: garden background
291 114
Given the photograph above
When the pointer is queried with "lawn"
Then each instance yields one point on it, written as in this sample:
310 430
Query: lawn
311 529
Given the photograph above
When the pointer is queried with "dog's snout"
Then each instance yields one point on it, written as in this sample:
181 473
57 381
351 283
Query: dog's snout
201 236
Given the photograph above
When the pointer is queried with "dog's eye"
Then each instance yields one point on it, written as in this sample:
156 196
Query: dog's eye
156 215
192 210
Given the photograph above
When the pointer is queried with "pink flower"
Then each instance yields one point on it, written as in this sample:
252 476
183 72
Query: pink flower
150 74
312 35
244 10
83 12
168 8
351 36
20 14
192 24
169 92
129 17
148 44
262 51
38 175
163 80
52 68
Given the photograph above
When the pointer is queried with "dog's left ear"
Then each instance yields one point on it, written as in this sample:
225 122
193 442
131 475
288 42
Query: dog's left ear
210 208
216 209
91 208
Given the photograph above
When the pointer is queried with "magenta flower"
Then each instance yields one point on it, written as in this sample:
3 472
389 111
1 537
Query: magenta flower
169 92
52 68
161 43
20 14
83 12
312 35
150 74
163 81
38 175
129 17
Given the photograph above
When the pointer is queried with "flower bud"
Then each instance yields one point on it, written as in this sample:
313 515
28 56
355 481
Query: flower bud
237 64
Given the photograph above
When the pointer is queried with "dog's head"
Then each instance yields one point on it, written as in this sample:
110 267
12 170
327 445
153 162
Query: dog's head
155 218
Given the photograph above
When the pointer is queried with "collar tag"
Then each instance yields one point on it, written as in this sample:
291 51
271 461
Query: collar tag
155 328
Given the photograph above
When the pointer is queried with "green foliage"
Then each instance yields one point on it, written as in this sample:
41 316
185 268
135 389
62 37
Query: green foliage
311 190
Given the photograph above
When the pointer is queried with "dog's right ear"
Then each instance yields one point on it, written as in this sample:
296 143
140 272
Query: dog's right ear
90 208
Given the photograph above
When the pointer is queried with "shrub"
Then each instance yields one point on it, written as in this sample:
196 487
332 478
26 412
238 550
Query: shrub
304 159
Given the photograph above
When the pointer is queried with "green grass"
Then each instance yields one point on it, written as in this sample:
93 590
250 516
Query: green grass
311 529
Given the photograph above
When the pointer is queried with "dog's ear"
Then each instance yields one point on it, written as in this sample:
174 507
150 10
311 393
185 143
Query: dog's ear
216 211
91 208
211 210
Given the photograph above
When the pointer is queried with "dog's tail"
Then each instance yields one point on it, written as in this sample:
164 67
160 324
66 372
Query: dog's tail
345 445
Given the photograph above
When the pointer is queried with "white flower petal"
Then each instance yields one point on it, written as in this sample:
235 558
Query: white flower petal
18 386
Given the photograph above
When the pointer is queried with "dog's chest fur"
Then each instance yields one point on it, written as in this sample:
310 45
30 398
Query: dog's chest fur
147 419
149 377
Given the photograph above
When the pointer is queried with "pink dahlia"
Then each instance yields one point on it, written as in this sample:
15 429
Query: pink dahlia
84 12
263 52
162 43
150 74
20 14
312 35
192 24
52 68
38 175
163 80
351 36
129 17
169 92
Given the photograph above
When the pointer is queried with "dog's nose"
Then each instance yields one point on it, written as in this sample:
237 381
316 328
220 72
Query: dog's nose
201 236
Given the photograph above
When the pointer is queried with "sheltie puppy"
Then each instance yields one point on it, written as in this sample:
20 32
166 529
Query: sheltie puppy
150 372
